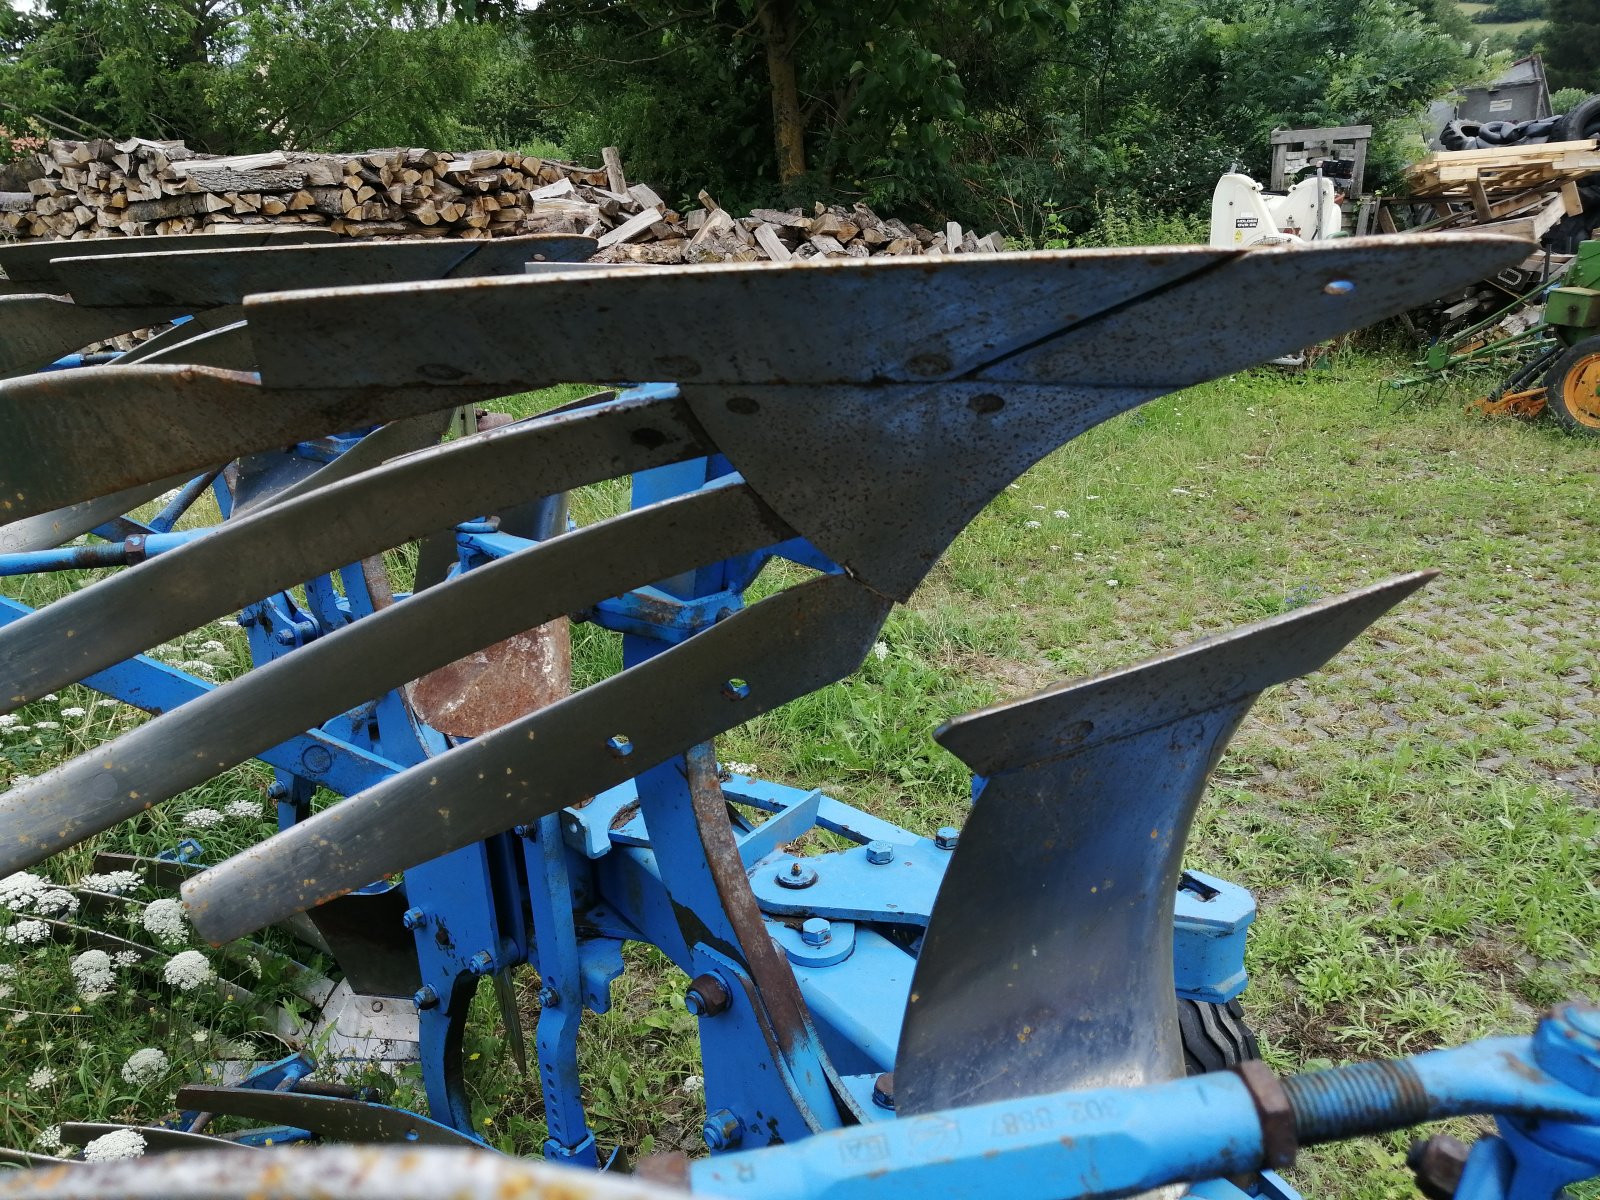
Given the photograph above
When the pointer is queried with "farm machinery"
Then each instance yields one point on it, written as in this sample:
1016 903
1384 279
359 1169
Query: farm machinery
1006 1004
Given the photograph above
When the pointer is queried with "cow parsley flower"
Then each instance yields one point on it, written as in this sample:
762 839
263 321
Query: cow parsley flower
202 818
74 711
126 958
880 650
7 720
119 1143
739 768
1060 514
47 724
244 809
115 882
49 1139
26 933
143 1066
5 991
42 1078
188 970
17 892
164 918
1030 524
692 1086
93 972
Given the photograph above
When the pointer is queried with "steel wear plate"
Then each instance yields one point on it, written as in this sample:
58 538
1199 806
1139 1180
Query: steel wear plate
1047 963
329 1116
227 347
951 316
193 742
295 538
201 277
32 262
785 646
74 435
882 479
36 330
163 343
157 1139
347 1172
51 529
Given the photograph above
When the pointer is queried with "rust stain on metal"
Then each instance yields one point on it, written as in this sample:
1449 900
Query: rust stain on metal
498 684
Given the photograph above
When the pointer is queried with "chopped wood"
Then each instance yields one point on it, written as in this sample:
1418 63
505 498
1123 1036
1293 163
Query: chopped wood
631 228
615 179
238 162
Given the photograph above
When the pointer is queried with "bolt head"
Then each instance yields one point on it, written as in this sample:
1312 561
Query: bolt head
946 837
816 932
883 1090
425 997
284 637
1567 1045
722 1130
481 963
549 998
880 853
707 996
414 918
277 791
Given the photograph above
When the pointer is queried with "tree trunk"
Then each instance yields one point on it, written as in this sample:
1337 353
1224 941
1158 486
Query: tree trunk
778 33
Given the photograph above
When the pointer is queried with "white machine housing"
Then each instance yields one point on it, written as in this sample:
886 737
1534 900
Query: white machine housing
1243 215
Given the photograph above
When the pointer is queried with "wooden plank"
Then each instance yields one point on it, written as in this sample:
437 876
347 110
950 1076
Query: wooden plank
1570 200
616 180
769 240
631 228
1480 202
1331 133
236 162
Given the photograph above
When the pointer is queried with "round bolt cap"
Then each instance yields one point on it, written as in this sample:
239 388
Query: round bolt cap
707 996
414 918
425 997
816 932
879 853
796 875
883 1090
481 963
946 837
549 998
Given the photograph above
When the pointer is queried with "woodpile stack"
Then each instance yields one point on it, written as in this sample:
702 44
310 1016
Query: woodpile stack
138 187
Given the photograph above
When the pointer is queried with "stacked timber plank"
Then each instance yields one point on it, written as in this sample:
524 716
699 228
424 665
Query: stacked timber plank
1501 182
101 188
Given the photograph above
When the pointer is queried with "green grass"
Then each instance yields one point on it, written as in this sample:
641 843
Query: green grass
1418 822
1509 28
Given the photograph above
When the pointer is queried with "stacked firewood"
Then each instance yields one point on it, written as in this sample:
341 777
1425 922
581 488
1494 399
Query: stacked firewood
101 188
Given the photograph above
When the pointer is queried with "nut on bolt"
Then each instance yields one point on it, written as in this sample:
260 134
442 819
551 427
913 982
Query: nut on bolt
816 932
883 1090
425 997
880 853
707 995
1437 1164
414 918
946 837
796 875
481 963
722 1130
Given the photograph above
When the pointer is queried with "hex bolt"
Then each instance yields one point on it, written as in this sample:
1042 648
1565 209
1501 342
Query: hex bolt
880 853
707 995
1567 1045
946 837
549 998
284 637
481 963
1437 1164
816 932
620 745
883 1090
722 1130
276 790
425 997
414 918
526 832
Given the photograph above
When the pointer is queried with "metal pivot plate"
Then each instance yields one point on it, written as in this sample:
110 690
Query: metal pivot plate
1048 959
194 741
793 643
303 534
996 314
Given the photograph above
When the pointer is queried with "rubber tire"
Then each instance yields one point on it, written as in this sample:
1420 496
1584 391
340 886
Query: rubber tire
1580 123
1215 1036
1554 400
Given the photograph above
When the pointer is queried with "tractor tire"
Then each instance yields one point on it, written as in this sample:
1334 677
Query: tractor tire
1580 123
1572 388
1215 1036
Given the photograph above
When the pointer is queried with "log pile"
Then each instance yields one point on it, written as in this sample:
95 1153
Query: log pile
138 187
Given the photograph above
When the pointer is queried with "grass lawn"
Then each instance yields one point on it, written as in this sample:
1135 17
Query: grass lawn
1419 821
1510 28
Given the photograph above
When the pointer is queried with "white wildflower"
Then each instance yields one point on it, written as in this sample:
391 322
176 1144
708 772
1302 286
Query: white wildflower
202 818
211 647
26 933
739 768
119 1143
228 623
1030 524
5 991
165 919
19 729
243 809
198 666
880 650
1038 508
143 1066
55 902
47 724
7 720
93 971
126 958
115 882
188 970
199 1036
105 703
1112 582
1060 514
8 970
692 1086
51 696
18 892
42 1078
74 711
17 1018
1091 497
49 1139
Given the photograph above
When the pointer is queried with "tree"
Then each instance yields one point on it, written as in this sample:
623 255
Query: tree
1572 44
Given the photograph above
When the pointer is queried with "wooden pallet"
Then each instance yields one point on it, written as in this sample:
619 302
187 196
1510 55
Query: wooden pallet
1471 174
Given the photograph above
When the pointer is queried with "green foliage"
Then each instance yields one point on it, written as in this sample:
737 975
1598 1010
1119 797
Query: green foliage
1567 99
1572 44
